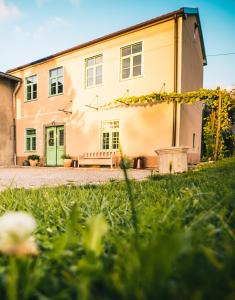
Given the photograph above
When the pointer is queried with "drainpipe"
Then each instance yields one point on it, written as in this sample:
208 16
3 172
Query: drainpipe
14 120
174 124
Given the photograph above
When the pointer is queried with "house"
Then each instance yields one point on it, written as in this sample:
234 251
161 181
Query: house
59 106
8 87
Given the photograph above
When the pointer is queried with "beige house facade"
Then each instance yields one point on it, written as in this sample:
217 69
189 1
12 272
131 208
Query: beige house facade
8 88
60 103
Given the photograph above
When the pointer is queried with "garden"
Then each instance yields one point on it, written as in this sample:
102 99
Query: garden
167 237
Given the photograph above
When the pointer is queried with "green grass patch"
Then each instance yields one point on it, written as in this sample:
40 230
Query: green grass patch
183 248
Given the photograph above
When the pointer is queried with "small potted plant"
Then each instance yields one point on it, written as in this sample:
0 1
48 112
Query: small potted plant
67 160
33 160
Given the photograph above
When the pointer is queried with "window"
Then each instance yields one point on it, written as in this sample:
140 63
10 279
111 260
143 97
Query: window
30 141
56 81
31 88
94 71
110 135
131 61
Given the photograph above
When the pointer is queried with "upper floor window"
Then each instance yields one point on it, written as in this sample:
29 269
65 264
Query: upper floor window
56 81
110 135
131 61
31 88
30 139
94 70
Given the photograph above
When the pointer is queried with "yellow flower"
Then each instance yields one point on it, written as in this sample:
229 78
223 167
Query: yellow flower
16 234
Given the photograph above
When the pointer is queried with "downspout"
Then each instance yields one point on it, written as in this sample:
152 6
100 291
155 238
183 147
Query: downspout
14 120
174 124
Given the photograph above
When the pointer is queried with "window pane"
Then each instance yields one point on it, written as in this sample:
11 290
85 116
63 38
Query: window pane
60 85
34 79
28 96
60 71
30 131
34 95
105 140
34 143
28 143
53 73
90 77
53 86
136 48
126 51
115 140
137 71
90 62
29 80
99 59
126 73
99 75
126 63
137 60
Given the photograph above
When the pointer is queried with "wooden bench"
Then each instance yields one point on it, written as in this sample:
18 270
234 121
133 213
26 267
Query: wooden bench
103 158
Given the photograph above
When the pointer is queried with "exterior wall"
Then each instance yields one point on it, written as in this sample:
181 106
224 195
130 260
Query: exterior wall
6 122
142 129
191 80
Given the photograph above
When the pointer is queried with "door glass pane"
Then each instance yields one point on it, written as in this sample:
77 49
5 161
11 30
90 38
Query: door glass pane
105 140
51 141
61 137
115 140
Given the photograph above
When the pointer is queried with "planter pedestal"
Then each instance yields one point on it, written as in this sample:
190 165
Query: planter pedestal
172 159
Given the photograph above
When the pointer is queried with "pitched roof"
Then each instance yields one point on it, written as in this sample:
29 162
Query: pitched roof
10 77
180 12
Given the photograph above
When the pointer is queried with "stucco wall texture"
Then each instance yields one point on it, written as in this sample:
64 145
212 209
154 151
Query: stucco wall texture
6 122
142 129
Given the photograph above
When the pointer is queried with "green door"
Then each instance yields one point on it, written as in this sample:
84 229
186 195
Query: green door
54 145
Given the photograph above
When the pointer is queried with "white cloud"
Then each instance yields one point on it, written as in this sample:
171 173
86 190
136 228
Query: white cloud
74 2
8 11
40 3
56 21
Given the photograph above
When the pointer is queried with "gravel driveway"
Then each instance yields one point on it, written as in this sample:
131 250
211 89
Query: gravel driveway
29 177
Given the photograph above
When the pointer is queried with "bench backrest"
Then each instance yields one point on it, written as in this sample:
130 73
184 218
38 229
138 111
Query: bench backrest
100 154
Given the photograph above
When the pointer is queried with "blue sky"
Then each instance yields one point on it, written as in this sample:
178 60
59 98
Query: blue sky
32 29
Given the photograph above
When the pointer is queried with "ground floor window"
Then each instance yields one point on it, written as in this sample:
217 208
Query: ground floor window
110 135
30 139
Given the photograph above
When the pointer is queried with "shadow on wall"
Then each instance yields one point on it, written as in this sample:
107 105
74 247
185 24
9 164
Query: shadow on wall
6 138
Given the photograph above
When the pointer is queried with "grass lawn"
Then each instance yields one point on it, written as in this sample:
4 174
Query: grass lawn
180 244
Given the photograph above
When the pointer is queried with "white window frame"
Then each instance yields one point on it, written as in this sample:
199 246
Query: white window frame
110 135
93 68
49 81
131 60
25 89
25 140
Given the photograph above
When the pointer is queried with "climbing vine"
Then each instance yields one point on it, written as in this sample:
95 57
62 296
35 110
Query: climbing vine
217 123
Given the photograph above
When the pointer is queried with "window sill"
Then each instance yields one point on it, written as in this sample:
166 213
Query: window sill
28 101
50 96
131 78
94 86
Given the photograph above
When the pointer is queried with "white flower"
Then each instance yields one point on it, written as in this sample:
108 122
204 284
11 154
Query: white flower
16 234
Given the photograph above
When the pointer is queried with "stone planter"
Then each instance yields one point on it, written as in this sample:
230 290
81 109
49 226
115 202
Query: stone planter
67 162
33 163
172 160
